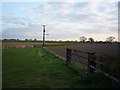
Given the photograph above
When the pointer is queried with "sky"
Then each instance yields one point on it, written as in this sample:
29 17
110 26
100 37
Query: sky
64 20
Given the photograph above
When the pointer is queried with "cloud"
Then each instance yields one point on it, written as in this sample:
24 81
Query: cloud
22 33
58 0
68 20
14 22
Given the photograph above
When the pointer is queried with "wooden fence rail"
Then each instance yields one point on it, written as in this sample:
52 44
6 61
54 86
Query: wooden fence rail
89 60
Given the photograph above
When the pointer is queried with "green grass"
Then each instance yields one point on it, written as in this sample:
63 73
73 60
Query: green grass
37 68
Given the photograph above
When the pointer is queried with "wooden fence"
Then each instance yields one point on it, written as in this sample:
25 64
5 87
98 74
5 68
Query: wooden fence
92 63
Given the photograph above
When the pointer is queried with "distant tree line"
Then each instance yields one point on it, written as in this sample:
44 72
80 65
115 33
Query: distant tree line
18 40
83 39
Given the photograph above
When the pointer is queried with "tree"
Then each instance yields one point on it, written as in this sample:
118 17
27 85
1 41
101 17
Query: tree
26 39
83 39
91 39
30 40
110 39
35 40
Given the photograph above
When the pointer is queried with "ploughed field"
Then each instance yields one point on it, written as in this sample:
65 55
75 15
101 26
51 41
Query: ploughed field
20 44
60 48
103 48
31 44
106 53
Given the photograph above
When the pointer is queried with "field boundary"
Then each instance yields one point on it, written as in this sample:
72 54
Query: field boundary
55 54
91 63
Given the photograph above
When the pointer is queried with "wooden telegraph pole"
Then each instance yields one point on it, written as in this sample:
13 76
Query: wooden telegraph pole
43 35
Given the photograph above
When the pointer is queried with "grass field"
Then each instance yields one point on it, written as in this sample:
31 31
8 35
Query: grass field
37 68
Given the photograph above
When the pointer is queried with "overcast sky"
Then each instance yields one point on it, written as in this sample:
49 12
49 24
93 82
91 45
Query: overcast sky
63 20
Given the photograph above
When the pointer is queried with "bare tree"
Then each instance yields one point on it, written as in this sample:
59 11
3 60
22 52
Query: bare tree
91 39
83 39
110 39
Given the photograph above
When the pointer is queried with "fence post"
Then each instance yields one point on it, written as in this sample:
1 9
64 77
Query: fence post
88 65
92 62
68 55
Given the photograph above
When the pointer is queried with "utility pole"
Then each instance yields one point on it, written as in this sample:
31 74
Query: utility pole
43 35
